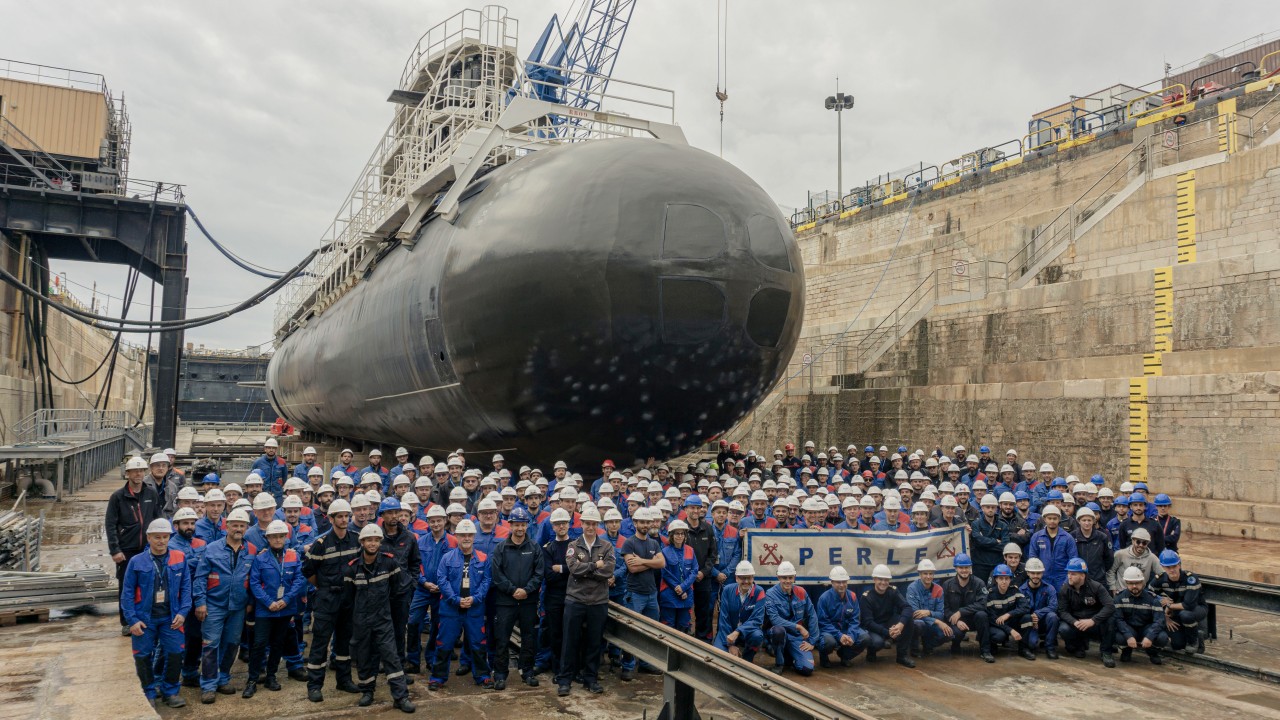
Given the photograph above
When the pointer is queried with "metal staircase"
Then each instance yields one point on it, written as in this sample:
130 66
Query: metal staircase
23 162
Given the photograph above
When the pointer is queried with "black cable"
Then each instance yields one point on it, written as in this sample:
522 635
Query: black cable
119 324
241 263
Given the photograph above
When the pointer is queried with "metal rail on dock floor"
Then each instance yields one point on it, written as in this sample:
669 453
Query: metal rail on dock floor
690 665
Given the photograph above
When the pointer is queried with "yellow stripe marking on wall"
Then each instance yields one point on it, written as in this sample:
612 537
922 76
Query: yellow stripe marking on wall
1186 208
1227 126
1138 429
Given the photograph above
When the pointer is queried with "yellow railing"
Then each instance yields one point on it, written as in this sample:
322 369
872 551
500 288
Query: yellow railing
1263 68
1057 134
1180 98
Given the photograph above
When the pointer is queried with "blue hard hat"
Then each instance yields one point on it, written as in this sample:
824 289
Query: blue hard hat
1169 558
1122 500
868 449
1077 565
1002 570
1097 480
1137 497
1162 500
963 560
389 504
693 501
519 515
1140 486
212 478
1054 495
1058 482
1094 506
902 449
1021 495
984 449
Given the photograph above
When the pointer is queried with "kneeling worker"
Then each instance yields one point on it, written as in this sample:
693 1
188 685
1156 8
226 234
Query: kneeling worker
839 617
742 613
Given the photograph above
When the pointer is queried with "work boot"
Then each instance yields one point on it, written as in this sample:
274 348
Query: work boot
539 669
1051 653
227 689
1126 654
250 688
487 683
776 669
461 671
846 662
987 657
1079 652
405 705
500 683
174 701
1026 653
366 699
1108 660
298 674
906 662
627 674
1155 658
595 688
871 656
824 661
124 631
271 683
433 686
563 691
315 695
347 686
413 668
532 680
208 697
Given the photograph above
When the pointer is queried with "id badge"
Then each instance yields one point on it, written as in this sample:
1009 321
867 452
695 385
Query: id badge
466 583
160 596
280 593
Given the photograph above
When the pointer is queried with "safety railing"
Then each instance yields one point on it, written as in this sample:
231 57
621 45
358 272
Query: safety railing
1047 137
1265 67
56 423
1256 126
1170 96
1203 137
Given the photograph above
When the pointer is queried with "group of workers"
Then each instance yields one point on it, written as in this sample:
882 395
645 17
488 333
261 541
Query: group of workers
329 568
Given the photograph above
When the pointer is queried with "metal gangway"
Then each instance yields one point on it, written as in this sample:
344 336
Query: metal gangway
80 445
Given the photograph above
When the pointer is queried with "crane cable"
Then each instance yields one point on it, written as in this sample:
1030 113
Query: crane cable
722 61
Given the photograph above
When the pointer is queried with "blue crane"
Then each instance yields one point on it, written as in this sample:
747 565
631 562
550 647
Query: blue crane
573 67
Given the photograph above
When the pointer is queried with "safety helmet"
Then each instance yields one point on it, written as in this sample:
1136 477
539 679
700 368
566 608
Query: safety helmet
677 525
215 495
919 508
264 501
291 501
1162 500
1085 512
745 569
278 527
1012 549
591 514
136 463
881 572
1077 565
238 515
1133 574
1168 558
1140 534
963 560
159 526
560 515
185 514
271 442
436 511
786 569
360 501
989 501
466 527
371 531
1035 565
295 484
838 574
1002 570
339 506
188 493
1051 510
159 458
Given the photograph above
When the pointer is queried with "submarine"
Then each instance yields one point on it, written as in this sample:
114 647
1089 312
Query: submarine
624 297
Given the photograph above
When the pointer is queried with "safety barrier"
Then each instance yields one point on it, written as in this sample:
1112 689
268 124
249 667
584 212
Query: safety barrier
690 665
1167 99
1264 63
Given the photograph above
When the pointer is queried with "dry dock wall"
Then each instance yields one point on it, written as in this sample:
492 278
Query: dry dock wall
1141 351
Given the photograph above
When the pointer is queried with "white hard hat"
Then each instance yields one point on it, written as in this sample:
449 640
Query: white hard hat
744 569
188 493
1134 574
589 514
339 506
1080 488
485 504
989 501
457 493
1007 468
135 463
1012 549
345 479
292 501
401 451
736 506
926 565
264 501
560 515
677 525
435 511
278 527
949 501
919 507
813 504
370 478
295 484
612 514
867 501
980 485
838 574
252 479
215 495
1051 510
947 487
159 458
786 569
371 531
1035 565
1028 466
1085 512
324 488
159 526
1106 492
360 501
456 509
185 514
271 442
560 465
1008 497
309 451
664 504
466 527
315 470
892 503
238 515
1046 467
881 571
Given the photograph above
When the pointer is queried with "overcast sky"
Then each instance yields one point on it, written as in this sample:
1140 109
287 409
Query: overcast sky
266 111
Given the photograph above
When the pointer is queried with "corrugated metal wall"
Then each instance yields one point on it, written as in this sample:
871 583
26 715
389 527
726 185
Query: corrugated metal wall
1253 54
60 120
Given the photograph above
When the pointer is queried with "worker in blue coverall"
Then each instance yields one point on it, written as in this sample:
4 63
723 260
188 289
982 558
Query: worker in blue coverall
794 622
184 540
156 600
220 593
279 588
463 579
272 468
742 614
839 620
675 592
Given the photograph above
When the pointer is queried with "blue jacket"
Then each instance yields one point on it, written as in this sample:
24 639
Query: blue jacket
729 548
628 528
743 616
1043 600
431 553
209 530
302 535
382 472
932 599
217 586
300 471
449 578
139 584
192 550
619 589
273 471
681 570
284 581
840 616
788 611
1055 555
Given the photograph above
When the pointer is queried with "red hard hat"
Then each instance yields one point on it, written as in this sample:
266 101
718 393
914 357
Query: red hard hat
790 446
733 446
607 463
724 443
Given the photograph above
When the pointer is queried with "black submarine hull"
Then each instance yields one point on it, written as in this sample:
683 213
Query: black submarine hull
625 298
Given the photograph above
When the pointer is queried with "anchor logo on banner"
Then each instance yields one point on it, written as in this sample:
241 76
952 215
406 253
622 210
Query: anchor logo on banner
771 555
946 550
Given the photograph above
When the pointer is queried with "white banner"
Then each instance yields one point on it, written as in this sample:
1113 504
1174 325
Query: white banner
814 553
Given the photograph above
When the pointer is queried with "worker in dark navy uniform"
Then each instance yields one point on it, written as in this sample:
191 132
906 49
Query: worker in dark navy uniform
1139 618
965 605
324 565
516 580
1085 611
1182 597
403 546
372 585
1009 612
273 470
886 616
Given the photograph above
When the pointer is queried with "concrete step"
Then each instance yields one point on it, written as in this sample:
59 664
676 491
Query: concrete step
1250 560
1227 510
1232 528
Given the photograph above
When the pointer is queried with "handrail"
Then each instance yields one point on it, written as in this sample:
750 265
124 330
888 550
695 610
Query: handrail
1262 64
691 665
1234 68
1058 136
51 423
1178 99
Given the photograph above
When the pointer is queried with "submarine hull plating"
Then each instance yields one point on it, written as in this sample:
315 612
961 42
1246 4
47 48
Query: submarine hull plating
618 298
